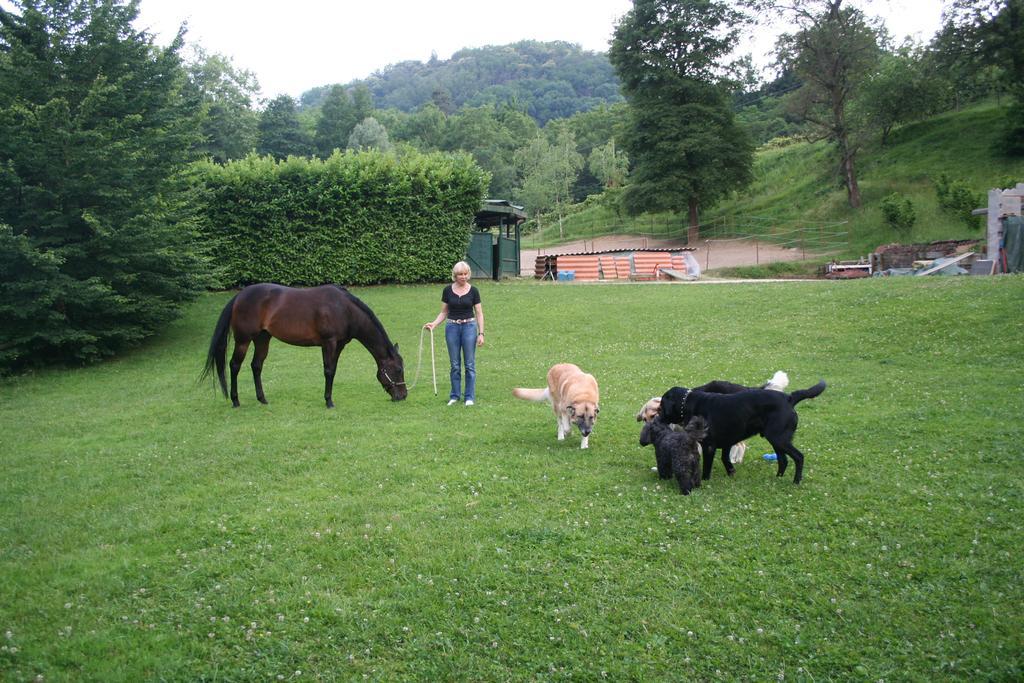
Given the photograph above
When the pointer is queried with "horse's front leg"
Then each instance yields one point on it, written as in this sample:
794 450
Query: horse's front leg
237 358
262 348
331 351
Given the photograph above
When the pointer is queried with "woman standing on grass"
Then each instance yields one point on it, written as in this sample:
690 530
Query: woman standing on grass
460 305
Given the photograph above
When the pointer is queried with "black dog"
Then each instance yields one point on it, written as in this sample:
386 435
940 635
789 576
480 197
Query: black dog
778 382
735 417
676 452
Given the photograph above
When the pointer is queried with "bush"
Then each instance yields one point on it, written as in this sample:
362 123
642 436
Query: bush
1011 143
355 218
899 212
957 198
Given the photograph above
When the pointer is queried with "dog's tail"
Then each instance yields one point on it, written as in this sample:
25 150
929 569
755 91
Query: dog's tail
532 394
778 382
803 394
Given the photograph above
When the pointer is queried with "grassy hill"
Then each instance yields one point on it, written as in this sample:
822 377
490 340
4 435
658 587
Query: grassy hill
795 185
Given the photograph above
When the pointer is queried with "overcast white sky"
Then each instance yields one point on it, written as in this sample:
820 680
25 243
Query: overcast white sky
301 44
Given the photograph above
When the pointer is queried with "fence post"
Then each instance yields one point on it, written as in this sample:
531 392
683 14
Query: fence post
993 228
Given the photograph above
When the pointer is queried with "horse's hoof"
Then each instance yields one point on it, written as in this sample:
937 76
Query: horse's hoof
263 401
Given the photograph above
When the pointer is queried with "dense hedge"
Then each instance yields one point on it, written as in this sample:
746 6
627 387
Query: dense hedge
354 218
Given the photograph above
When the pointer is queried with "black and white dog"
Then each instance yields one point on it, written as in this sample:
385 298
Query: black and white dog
677 453
734 417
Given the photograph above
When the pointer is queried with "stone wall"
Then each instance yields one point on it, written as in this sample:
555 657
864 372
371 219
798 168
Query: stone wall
903 255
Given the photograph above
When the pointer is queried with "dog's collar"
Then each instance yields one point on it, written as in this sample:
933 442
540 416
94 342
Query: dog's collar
682 404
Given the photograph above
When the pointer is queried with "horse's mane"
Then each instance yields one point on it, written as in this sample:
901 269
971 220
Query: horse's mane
370 314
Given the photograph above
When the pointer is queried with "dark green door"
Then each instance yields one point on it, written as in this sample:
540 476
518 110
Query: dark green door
481 255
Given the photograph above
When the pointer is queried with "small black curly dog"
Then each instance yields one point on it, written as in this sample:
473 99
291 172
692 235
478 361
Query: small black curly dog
677 453
735 417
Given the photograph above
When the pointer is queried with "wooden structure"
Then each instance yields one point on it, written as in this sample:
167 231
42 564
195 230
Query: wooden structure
495 241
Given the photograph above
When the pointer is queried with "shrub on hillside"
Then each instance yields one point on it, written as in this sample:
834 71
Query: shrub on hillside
899 212
354 218
1011 142
958 199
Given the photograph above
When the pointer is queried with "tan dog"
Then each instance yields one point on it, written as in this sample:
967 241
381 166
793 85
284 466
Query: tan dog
650 410
574 397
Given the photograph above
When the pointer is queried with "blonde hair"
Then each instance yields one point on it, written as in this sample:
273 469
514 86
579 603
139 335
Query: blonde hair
461 267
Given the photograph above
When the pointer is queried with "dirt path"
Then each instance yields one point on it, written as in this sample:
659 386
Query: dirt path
709 253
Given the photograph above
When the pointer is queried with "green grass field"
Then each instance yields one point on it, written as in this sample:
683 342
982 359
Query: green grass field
149 531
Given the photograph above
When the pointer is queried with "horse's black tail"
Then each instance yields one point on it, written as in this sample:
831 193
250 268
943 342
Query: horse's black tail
219 347
802 394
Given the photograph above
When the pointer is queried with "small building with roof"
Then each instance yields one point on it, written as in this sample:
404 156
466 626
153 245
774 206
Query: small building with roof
495 240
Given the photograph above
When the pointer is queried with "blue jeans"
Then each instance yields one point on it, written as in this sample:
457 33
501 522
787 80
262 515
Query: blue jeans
461 341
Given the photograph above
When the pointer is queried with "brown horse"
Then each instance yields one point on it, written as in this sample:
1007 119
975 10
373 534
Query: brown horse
327 316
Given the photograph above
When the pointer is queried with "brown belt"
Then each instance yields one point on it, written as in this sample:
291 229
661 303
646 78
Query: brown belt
462 322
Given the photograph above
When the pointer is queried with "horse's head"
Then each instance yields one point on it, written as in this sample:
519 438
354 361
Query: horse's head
391 375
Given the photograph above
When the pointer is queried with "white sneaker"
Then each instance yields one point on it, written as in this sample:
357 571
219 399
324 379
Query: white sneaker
453 401
469 402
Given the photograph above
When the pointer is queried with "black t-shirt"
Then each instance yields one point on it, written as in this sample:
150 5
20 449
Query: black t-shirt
460 307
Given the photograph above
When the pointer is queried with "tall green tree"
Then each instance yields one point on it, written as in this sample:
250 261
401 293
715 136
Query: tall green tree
362 102
97 247
592 129
337 119
686 148
425 128
608 164
280 133
990 32
955 58
549 170
902 89
227 96
833 52
492 135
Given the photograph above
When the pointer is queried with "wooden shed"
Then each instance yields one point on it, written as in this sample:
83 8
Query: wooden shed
495 241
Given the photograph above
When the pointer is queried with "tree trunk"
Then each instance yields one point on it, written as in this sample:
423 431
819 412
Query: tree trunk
693 234
850 175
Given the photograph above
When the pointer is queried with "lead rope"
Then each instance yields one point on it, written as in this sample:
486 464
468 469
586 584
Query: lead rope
433 369
419 361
